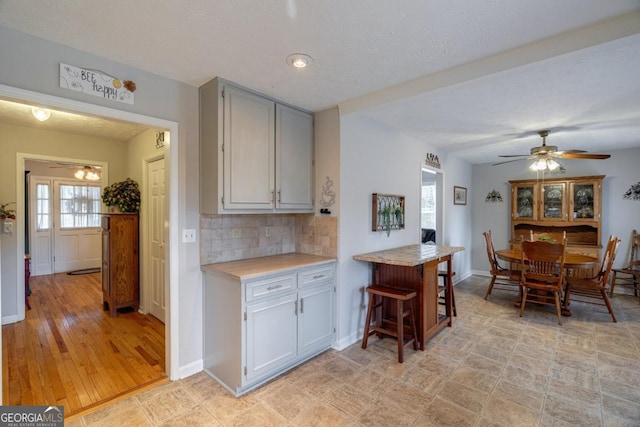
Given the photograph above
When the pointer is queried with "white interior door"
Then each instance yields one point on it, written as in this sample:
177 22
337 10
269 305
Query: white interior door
40 219
76 225
156 197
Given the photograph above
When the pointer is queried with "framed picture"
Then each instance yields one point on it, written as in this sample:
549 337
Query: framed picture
459 195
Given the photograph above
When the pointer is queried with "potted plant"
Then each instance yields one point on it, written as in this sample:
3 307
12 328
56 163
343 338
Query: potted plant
123 195
7 213
391 210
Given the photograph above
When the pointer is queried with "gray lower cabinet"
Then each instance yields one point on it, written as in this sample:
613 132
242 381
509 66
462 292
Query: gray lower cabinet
258 328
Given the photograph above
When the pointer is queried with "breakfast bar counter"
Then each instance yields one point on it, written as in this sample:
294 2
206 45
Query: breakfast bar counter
415 267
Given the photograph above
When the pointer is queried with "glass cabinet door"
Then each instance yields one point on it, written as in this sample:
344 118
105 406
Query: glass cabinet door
553 202
524 202
583 201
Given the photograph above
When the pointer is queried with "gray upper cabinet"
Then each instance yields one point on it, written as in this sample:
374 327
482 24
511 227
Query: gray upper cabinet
256 154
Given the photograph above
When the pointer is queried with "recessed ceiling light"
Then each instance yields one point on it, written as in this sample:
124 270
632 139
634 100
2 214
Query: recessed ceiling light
41 114
299 60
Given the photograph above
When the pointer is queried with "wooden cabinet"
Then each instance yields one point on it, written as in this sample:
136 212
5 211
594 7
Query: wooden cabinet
256 154
120 286
257 327
555 205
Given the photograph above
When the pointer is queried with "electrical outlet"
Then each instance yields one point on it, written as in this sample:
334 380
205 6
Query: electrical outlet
267 231
7 227
235 233
188 235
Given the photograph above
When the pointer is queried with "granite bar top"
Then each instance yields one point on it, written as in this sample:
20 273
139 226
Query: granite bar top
410 255
253 267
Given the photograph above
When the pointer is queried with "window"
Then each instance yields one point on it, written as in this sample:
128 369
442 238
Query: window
79 206
428 206
43 207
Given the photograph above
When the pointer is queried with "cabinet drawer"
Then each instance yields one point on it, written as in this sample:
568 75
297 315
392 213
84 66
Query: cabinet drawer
277 285
315 276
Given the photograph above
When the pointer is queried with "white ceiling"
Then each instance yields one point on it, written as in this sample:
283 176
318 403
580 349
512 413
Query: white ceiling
474 78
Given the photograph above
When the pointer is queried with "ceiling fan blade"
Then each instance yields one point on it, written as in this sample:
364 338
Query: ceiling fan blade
567 155
569 152
516 155
508 161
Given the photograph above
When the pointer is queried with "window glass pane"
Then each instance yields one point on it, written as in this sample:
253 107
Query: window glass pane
79 206
43 220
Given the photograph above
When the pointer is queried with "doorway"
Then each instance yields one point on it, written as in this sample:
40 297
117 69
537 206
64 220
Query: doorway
172 258
431 206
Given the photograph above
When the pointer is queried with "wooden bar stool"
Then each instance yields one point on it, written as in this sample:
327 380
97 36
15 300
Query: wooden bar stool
377 294
447 282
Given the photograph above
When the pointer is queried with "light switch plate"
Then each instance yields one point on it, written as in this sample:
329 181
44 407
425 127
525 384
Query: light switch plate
7 227
188 235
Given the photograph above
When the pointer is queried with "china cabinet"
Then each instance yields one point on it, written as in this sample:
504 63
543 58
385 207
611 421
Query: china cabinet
555 205
257 154
260 320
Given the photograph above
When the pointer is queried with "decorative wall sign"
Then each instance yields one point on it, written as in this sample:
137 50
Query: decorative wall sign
493 197
159 139
633 193
96 83
387 212
328 197
459 195
432 160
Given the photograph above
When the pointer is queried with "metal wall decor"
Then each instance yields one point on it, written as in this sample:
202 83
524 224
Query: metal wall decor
432 160
633 193
387 212
493 197
159 139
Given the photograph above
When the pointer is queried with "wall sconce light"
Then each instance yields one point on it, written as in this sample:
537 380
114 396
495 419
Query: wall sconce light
41 114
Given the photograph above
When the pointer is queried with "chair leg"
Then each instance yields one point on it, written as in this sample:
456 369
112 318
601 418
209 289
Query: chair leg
490 288
413 326
365 336
608 303
613 283
400 323
524 300
453 302
558 309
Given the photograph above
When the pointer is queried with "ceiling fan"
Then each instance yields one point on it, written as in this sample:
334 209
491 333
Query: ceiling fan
544 155
86 172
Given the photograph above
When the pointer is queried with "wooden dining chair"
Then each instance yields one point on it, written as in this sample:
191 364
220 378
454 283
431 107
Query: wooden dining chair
542 274
499 274
594 288
629 275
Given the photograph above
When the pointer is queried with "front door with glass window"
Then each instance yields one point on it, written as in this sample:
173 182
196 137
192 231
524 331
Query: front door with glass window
64 225
76 226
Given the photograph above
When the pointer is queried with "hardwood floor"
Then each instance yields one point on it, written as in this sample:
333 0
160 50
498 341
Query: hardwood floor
69 351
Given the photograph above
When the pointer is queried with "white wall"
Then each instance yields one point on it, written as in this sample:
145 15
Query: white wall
375 159
619 216
32 64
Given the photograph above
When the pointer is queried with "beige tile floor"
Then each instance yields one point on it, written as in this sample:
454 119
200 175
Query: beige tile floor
492 368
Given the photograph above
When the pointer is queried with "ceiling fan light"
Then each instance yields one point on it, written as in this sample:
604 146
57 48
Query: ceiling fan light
552 164
92 176
40 114
79 174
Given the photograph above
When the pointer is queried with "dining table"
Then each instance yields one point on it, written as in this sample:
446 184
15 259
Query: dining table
572 262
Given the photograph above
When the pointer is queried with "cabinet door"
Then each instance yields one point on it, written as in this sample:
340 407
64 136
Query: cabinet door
315 319
584 201
106 281
523 202
248 151
271 335
554 203
294 157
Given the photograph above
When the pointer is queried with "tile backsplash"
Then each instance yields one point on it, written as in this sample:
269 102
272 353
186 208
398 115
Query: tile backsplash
232 237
